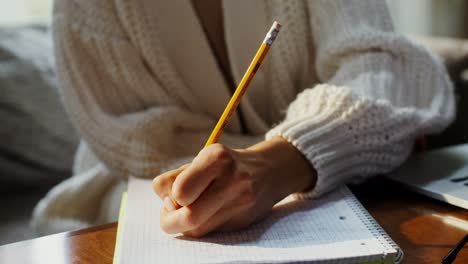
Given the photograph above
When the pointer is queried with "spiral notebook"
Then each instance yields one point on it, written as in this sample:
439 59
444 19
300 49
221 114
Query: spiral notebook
333 229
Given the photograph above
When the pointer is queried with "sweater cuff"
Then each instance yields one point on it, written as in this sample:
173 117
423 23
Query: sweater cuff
334 130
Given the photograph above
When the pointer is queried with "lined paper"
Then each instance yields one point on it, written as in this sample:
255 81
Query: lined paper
297 230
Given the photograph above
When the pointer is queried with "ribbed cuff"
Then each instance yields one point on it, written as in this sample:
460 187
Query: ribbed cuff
331 127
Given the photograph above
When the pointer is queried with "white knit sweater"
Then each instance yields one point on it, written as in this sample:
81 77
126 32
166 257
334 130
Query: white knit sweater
142 86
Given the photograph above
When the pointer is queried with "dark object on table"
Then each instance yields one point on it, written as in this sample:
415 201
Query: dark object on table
452 255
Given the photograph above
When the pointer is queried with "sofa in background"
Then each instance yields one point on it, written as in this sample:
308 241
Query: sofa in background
37 143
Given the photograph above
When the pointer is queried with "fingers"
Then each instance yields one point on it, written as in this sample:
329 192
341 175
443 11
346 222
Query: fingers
178 221
213 161
217 220
162 184
169 204
221 193
206 193
192 216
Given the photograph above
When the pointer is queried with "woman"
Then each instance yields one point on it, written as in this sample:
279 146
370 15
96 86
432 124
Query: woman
340 98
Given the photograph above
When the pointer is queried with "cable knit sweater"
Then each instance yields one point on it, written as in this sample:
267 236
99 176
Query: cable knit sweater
142 86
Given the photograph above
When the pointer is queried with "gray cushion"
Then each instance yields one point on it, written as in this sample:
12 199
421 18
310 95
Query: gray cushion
37 142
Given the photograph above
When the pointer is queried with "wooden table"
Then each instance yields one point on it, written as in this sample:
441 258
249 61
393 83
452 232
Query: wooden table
424 228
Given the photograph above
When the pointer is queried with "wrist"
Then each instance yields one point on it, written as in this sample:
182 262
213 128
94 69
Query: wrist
292 171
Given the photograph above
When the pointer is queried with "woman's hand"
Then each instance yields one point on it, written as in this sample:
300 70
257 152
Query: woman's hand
227 189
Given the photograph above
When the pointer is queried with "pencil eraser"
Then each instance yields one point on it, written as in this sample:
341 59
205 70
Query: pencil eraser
272 33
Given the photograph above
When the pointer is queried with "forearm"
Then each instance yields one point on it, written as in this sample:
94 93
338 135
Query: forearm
377 93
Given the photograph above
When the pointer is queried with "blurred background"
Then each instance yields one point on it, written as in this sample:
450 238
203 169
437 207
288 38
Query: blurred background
430 17
37 142
25 11
427 17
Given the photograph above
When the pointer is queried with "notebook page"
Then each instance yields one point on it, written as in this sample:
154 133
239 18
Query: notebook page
306 230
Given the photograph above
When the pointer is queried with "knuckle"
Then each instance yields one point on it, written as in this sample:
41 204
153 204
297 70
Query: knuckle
221 154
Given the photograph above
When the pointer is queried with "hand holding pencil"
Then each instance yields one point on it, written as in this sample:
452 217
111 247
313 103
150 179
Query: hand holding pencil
228 189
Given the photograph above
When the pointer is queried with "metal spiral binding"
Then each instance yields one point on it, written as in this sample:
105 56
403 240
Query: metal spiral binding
373 227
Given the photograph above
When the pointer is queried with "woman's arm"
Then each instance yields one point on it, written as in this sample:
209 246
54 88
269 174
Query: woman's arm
105 83
379 93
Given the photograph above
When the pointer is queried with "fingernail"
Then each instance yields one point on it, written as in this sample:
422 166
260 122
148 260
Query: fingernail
169 204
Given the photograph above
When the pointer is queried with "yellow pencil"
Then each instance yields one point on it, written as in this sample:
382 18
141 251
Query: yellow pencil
244 83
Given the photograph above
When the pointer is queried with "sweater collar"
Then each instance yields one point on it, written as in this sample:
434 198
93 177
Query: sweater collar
190 56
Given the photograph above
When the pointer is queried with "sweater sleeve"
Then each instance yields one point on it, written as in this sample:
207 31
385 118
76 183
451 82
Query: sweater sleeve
104 83
379 92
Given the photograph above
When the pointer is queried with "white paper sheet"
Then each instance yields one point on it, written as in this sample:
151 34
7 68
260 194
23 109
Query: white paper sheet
306 230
